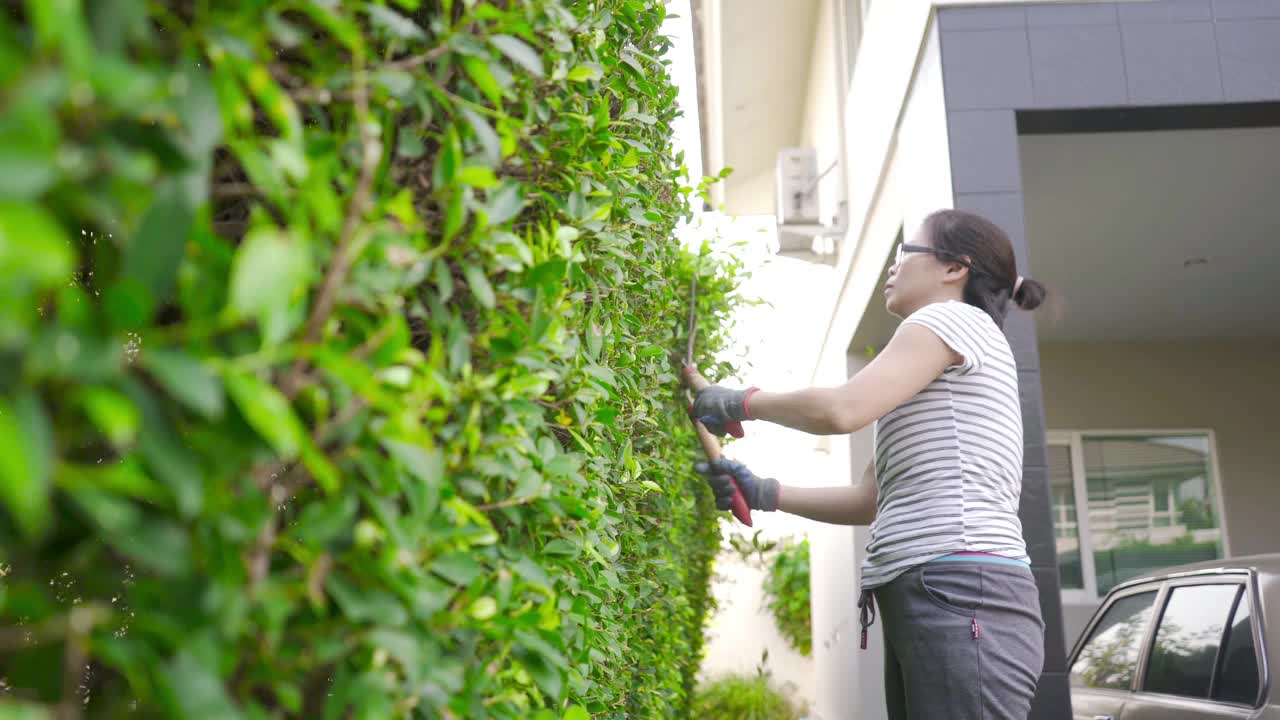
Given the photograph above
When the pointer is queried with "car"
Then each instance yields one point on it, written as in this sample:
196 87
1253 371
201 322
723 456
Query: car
1185 642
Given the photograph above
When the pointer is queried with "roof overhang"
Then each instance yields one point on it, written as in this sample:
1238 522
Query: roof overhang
753 61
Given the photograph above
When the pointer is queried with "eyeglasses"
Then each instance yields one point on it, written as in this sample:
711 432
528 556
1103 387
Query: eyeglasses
904 248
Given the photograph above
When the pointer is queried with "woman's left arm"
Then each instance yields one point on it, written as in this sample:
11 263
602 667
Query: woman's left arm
914 358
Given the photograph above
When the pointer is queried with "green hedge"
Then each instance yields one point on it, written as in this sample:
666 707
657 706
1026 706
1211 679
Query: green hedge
336 362
786 590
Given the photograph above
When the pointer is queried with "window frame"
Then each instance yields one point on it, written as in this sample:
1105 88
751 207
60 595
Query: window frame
1119 593
1239 582
1229 576
1074 440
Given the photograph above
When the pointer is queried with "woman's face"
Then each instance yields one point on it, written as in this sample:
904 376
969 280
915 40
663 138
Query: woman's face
915 277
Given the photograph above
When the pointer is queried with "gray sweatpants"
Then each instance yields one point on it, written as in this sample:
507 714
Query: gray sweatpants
963 641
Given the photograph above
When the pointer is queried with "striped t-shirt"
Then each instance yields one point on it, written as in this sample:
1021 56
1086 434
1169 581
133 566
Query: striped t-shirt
949 460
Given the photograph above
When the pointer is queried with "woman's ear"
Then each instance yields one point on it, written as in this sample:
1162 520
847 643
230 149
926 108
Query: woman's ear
959 271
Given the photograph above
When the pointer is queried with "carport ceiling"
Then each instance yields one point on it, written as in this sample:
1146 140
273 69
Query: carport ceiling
1171 235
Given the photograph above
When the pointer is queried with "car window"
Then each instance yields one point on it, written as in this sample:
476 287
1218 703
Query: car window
1187 639
1238 681
1110 657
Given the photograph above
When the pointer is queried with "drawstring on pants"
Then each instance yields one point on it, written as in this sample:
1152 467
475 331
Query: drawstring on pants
866 614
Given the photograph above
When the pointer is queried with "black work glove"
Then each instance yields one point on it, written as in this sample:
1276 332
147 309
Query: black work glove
718 407
760 493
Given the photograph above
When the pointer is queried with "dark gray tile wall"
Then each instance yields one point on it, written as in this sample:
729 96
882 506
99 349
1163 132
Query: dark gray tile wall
1072 14
1143 52
1077 65
1001 59
991 69
982 18
1166 11
1245 9
1249 55
1171 63
981 158
1053 697
1056 648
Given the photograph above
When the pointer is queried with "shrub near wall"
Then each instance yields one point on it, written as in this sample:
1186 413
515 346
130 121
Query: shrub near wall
786 589
337 380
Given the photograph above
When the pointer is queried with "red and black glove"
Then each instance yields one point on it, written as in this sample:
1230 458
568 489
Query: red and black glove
722 410
760 493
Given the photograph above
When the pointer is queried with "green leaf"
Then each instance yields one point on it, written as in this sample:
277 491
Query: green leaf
484 608
25 452
28 152
167 457
397 82
394 23
576 712
267 411
158 545
458 568
113 413
427 464
199 111
562 548
187 380
519 52
566 234
322 471
195 691
409 142
478 70
125 478
366 605
586 71
545 663
504 204
549 276
324 521
449 158
154 251
488 139
479 285
406 648
33 245
477 177
129 304
454 216
269 272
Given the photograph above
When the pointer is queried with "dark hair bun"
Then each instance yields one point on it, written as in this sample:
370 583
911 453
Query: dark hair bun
1030 294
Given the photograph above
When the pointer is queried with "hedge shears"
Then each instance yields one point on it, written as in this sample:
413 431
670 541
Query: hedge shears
695 382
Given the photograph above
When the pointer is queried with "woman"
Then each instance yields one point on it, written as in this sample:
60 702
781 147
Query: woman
946 562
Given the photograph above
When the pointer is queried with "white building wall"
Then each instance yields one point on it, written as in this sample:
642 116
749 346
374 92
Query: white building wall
820 126
922 140
834 583
916 181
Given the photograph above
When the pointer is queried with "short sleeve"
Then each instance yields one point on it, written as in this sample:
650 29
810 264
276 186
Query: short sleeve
959 325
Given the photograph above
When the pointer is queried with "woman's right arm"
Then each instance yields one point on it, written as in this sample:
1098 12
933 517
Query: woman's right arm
842 505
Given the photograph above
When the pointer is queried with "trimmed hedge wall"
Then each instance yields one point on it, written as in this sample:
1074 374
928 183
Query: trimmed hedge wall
336 362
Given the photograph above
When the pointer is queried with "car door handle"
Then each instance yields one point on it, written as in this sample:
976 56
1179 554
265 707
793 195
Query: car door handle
1103 717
